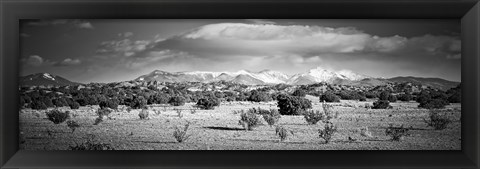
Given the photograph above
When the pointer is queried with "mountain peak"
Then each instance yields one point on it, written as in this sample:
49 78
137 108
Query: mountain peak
48 76
45 79
159 72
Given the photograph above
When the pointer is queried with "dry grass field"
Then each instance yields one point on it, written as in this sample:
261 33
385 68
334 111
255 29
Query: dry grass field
219 129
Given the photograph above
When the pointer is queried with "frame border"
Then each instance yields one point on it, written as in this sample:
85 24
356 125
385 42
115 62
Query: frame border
467 11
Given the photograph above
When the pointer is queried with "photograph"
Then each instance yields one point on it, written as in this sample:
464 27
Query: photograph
240 84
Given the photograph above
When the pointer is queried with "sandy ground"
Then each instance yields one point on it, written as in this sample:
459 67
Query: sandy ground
219 129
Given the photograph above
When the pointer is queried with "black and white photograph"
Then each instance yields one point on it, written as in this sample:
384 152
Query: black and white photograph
240 84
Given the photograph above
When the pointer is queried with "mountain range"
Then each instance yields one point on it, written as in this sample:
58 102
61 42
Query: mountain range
264 77
268 77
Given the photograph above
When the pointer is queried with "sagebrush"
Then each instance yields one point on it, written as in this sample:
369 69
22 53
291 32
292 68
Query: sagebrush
327 132
271 116
313 116
249 119
437 120
144 114
180 133
90 144
396 133
72 125
282 132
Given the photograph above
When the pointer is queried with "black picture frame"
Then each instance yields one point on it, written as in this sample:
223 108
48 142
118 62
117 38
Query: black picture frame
468 11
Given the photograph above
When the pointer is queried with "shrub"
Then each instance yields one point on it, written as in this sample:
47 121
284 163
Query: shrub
349 95
312 117
371 95
80 99
47 101
180 134
138 103
159 98
144 114
405 97
396 133
392 98
241 97
455 94
74 105
91 145
249 119
208 103
98 120
381 104
60 102
299 93
283 133
38 105
384 95
271 117
433 104
72 125
328 131
103 112
328 111
292 105
329 97
113 104
179 113
455 98
431 99
256 96
177 101
57 116
437 121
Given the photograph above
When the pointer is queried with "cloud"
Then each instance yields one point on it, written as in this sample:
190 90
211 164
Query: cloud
386 44
166 57
68 62
125 34
81 24
296 39
33 60
122 48
443 46
225 39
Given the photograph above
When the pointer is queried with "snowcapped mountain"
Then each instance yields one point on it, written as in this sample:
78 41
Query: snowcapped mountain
323 75
45 79
254 78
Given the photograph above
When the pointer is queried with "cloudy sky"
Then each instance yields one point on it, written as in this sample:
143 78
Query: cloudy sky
118 50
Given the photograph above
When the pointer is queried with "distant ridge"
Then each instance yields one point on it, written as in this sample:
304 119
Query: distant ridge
432 82
45 79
